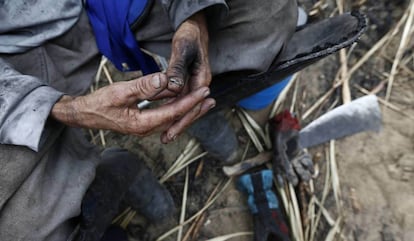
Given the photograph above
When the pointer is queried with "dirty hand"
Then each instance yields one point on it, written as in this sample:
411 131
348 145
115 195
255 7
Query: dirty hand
114 107
303 165
294 164
189 68
290 160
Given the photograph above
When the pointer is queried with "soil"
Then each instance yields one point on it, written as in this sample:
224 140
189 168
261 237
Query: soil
376 170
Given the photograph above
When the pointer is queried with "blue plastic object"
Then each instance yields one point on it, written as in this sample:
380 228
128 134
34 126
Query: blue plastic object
265 97
111 20
247 185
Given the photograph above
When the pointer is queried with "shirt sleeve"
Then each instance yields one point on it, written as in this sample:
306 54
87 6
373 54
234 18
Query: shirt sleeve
25 104
180 10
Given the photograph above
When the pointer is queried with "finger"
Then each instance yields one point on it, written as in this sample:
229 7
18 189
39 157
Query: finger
307 162
178 127
169 94
301 171
182 55
173 111
288 170
164 94
202 76
291 175
147 86
278 170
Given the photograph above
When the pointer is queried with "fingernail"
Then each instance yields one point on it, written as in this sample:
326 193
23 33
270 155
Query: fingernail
176 81
212 106
206 93
172 137
156 82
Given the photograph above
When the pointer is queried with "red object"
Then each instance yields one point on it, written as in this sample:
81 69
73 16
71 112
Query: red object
286 121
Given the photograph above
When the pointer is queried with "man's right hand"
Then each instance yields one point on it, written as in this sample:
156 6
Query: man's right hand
114 107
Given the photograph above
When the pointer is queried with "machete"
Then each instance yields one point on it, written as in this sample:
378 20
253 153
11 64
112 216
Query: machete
360 115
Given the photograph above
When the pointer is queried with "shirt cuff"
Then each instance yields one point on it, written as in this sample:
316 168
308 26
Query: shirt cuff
215 11
26 123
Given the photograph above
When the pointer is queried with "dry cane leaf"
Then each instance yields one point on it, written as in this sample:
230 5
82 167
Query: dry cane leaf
229 236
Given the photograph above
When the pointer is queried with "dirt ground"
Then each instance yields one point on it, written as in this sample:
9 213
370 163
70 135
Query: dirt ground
375 169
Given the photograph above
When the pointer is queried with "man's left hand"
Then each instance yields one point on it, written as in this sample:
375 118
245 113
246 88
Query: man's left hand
189 68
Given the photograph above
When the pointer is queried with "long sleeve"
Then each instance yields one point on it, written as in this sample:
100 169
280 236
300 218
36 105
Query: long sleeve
180 10
28 24
25 104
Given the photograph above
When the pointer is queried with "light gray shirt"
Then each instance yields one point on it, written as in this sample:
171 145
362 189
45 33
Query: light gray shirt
26 24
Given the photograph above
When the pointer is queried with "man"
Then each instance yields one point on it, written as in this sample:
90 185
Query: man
47 61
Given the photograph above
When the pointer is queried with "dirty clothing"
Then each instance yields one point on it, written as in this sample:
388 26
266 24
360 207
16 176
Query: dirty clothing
47 49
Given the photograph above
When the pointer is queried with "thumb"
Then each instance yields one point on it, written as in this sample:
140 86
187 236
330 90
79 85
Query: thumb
181 57
148 86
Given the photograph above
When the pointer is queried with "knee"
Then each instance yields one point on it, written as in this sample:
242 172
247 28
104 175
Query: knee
270 30
273 16
252 35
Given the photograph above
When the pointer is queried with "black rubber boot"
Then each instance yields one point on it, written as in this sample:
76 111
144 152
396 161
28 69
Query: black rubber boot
148 197
121 178
216 136
102 200
114 233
